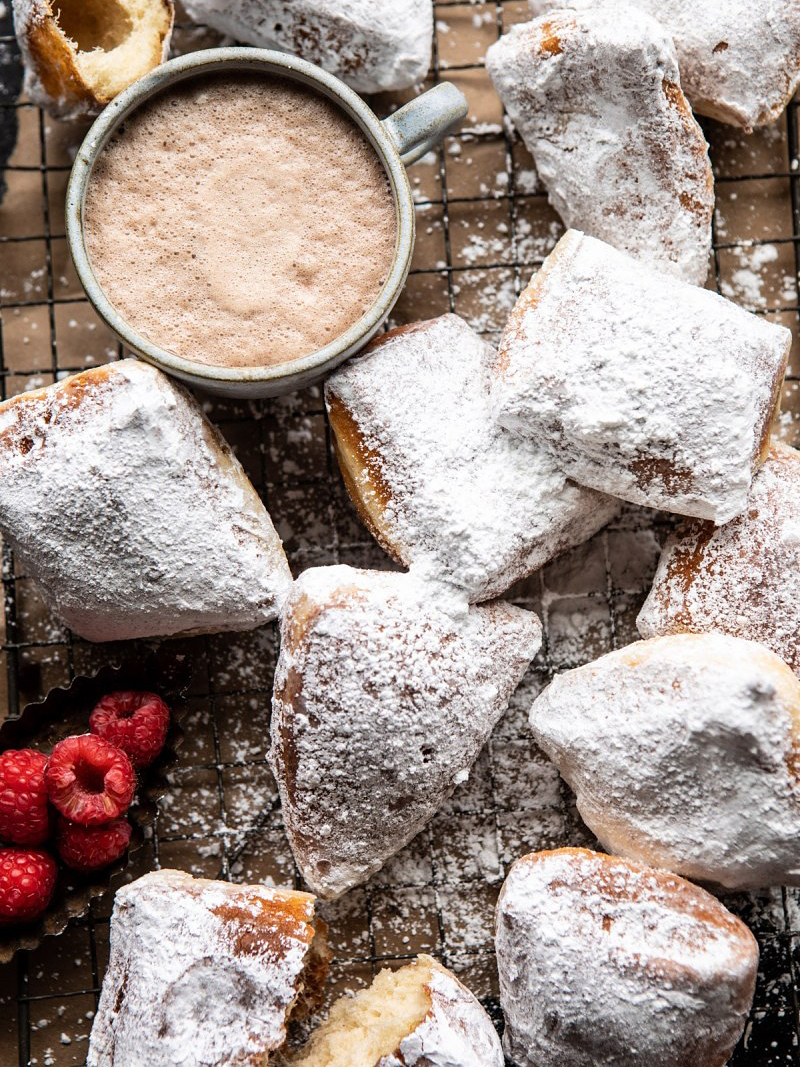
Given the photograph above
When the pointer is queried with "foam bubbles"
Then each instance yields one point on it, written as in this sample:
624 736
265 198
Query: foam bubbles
240 221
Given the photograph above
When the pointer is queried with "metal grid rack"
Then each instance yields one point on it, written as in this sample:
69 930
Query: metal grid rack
437 896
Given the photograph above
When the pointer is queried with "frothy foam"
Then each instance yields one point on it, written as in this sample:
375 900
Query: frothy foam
240 221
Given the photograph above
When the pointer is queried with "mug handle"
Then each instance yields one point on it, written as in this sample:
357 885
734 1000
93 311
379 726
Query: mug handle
421 124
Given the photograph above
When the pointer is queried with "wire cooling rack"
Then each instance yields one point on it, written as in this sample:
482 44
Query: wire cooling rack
484 226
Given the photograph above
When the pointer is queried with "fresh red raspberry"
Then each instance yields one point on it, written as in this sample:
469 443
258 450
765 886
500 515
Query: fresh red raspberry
135 722
88 848
89 780
27 883
24 812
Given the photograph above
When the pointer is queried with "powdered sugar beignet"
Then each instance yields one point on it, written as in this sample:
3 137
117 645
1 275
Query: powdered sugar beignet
643 386
739 59
373 45
382 702
79 54
606 961
684 753
131 512
596 97
417 1016
440 484
742 578
204 972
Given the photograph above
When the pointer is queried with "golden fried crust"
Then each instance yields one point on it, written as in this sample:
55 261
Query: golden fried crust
53 59
360 467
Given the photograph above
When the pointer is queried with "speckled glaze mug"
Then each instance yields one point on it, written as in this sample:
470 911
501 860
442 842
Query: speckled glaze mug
399 141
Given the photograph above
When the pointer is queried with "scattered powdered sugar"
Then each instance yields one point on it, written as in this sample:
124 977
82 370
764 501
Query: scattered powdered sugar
746 282
709 714
742 578
739 60
383 701
535 244
596 98
131 512
184 950
489 295
451 493
373 45
479 247
606 961
663 409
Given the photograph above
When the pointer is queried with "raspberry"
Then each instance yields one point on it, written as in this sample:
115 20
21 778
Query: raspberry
27 883
89 780
135 722
24 813
88 848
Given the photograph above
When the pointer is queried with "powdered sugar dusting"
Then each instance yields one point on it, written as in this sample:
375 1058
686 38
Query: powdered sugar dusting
714 716
373 45
451 493
185 950
131 512
742 578
660 408
605 961
456 1029
739 60
382 703
596 98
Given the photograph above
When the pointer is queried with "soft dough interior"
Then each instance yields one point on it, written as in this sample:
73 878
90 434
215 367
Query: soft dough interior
114 41
362 1029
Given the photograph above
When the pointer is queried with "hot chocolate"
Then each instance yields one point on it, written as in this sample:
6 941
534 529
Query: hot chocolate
240 220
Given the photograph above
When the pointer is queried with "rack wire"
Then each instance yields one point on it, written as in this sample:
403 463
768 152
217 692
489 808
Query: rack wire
478 235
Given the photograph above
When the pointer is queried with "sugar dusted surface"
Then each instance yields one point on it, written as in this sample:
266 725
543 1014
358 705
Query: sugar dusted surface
742 578
456 1032
457 497
643 386
739 59
715 717
596 97
514 801
373 45
201 973
384 696
605 961
131 512
264 229
417 1016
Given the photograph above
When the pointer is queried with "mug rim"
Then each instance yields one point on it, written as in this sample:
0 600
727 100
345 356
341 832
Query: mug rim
242 58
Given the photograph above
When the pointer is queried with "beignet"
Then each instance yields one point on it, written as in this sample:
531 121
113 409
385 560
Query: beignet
203 973
441 486
684 753
373 45
80 54
645 387
596 97
606 961
383 700
742 578
739 59
131 512
417 1016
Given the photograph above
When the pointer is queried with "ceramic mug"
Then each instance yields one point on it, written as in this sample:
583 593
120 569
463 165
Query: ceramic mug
399 140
